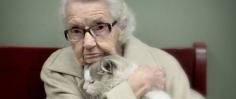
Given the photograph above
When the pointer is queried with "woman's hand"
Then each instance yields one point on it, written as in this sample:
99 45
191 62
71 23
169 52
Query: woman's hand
145 79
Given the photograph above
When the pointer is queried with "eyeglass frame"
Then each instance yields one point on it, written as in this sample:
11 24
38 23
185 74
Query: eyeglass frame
89 29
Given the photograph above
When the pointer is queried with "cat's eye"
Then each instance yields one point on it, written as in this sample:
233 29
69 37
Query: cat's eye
91 82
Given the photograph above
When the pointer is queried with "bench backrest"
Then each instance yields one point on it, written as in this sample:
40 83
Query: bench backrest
20 69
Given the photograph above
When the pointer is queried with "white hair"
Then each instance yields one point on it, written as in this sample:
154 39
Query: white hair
119 11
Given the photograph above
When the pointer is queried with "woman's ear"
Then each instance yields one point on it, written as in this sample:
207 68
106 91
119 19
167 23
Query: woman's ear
123 26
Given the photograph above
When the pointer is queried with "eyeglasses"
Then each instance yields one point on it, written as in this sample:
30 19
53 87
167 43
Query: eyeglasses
76 33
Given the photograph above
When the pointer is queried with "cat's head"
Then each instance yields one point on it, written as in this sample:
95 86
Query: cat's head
101 76
109 66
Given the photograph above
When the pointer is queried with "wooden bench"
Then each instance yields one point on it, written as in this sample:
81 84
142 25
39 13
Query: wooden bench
20 69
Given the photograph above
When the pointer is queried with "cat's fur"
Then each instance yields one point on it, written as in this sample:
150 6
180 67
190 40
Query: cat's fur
110 71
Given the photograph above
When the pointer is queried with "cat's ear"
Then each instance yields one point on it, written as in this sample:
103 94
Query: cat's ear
108 66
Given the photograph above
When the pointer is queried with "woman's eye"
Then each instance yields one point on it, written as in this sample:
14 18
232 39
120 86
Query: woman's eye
100 27
76 31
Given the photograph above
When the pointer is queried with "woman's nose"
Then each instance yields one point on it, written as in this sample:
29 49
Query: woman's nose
89 41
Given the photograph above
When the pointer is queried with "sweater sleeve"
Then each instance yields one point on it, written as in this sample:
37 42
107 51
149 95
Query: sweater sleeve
58 85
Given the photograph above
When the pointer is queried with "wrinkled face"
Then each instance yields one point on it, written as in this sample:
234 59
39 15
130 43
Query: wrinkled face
86 14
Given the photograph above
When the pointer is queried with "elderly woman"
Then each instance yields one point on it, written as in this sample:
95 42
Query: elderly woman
96 28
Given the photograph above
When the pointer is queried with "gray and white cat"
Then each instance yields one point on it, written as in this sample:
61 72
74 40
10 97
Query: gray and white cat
110 71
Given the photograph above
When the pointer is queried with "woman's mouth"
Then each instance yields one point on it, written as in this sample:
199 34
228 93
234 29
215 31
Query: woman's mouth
93 57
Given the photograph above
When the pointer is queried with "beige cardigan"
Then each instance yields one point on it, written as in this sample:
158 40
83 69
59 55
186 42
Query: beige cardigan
63 78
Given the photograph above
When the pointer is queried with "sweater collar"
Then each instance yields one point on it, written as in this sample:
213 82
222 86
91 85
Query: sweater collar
139 53
134 51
